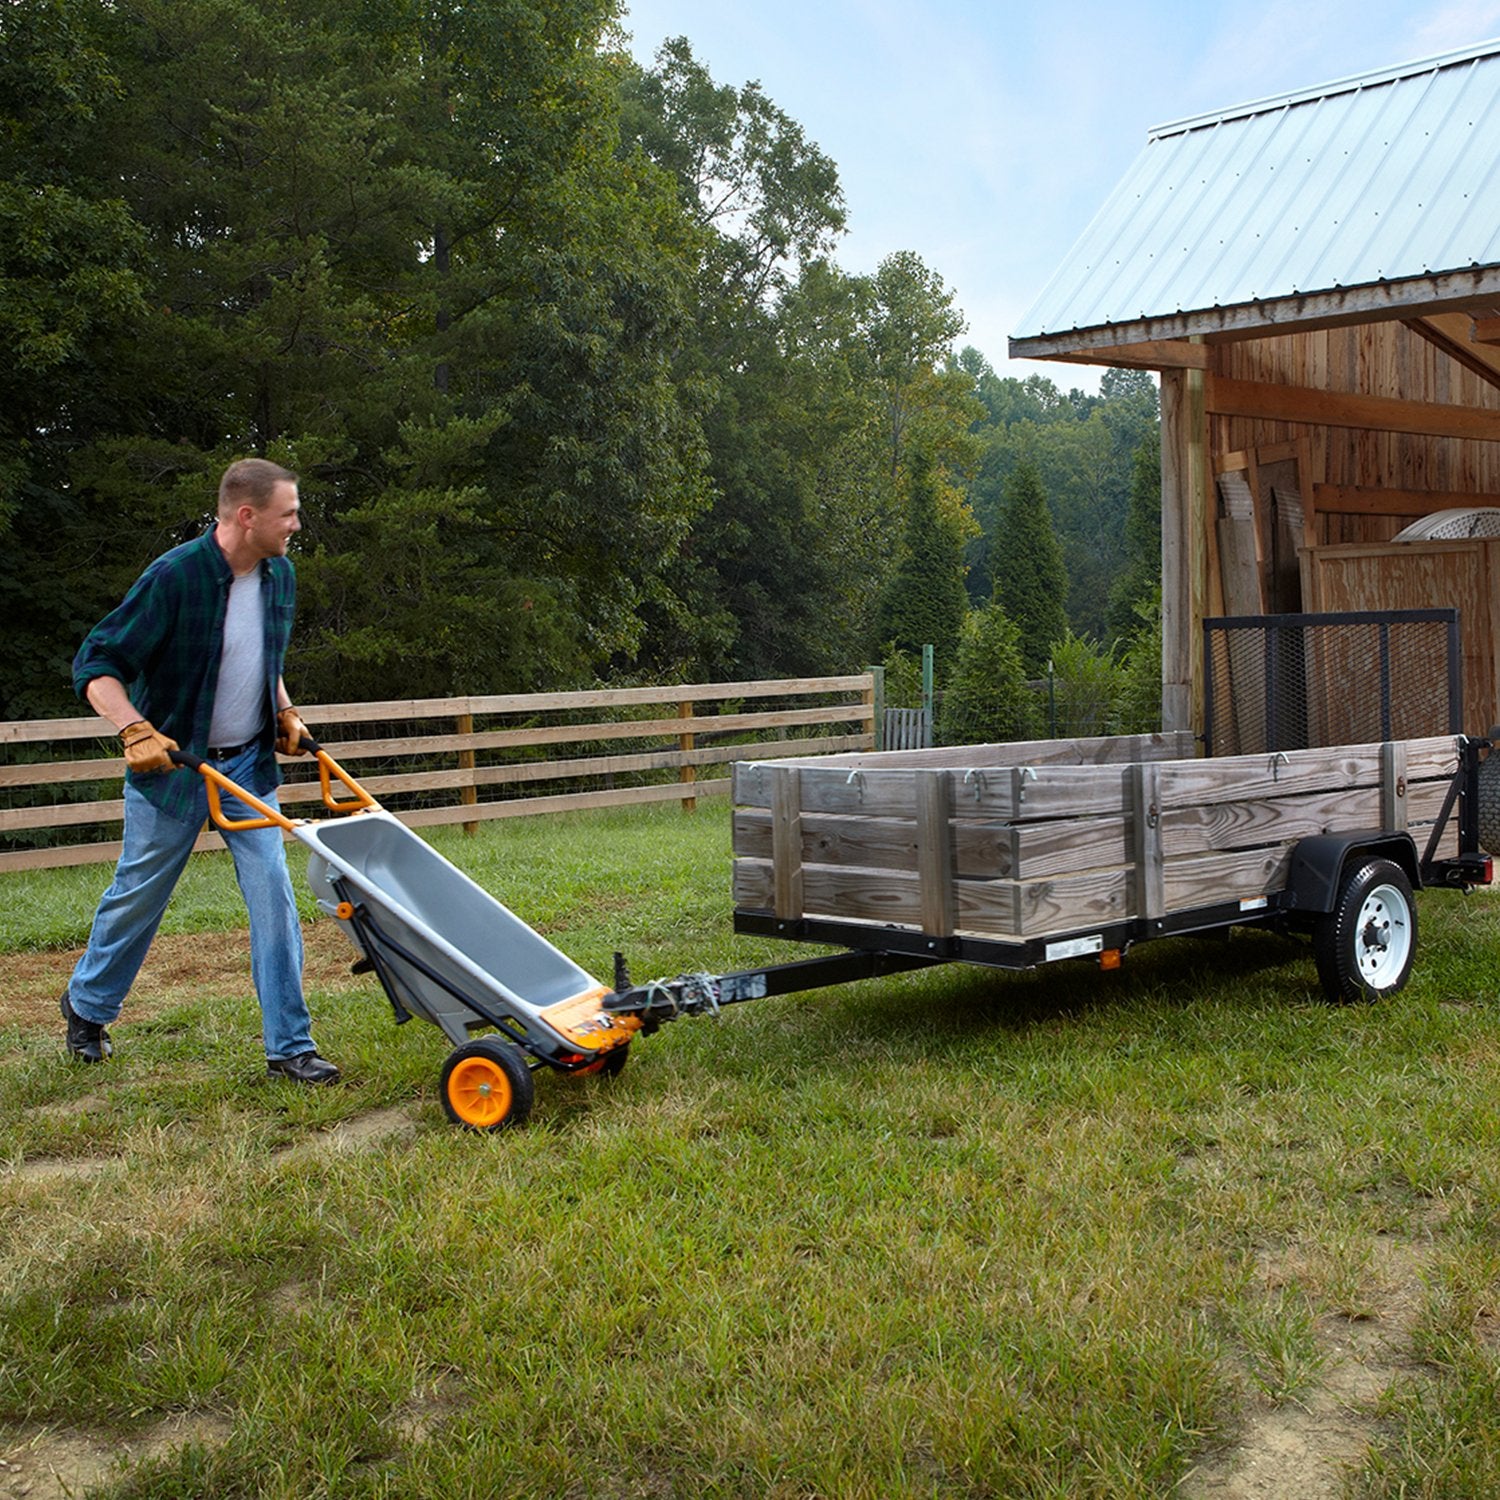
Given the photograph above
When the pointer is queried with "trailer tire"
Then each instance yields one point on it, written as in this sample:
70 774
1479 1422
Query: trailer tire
1487 799
487 1085
1364 947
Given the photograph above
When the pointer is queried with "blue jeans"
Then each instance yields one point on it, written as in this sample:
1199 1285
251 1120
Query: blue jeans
154 855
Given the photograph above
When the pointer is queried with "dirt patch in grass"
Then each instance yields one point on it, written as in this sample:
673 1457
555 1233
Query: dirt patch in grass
178 964
49 1463
1307 1446
43 1168
364 1132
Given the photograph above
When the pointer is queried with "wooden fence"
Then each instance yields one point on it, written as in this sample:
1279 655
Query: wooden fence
458 760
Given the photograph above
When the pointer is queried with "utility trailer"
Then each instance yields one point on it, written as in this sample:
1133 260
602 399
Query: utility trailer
1011 856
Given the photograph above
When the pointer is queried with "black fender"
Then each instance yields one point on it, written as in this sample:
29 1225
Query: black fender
1318 865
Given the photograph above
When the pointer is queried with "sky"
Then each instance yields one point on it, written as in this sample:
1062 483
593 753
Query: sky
985 134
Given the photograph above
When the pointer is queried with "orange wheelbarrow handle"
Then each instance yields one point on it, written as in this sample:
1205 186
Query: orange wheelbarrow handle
269 817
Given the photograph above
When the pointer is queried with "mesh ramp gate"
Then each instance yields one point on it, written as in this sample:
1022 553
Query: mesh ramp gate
1299 682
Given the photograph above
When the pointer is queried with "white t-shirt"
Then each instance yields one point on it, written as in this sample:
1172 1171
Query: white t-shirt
240 698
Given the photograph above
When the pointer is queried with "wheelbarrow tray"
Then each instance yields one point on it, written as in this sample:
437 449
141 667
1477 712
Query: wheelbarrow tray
441 943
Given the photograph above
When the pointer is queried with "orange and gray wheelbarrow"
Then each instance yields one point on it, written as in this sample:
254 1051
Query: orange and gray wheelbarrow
438 944
445 950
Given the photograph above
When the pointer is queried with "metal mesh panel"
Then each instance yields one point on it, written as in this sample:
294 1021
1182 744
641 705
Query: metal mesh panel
1293 682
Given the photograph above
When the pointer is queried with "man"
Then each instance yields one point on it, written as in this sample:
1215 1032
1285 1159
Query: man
194 656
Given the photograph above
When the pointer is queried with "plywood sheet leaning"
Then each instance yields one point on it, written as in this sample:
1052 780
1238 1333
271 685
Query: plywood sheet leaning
1030 850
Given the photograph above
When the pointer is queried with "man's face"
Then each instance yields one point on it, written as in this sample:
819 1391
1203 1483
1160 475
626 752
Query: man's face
273 526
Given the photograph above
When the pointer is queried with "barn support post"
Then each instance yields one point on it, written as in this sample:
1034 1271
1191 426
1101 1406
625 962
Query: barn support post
1184 546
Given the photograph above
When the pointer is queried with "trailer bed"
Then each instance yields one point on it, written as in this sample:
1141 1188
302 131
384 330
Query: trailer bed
970 846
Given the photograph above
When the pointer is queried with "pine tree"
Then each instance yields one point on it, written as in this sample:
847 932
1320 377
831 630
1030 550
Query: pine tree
925 602
1031 583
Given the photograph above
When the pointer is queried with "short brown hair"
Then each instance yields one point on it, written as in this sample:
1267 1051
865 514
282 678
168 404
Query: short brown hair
250 481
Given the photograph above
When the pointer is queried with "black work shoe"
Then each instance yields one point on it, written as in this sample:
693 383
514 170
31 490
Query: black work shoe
305 1067
86 1039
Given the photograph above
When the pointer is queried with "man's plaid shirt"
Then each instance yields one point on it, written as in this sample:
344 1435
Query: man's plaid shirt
163 642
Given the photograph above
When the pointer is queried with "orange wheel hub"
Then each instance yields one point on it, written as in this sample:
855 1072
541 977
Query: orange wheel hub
480 1092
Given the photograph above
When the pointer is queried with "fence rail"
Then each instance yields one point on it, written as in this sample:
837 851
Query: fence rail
599 748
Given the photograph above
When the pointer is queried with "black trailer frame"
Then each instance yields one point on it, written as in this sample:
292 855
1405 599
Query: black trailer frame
1322 868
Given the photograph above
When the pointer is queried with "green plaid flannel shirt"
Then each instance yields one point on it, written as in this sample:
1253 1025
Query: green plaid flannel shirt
163 642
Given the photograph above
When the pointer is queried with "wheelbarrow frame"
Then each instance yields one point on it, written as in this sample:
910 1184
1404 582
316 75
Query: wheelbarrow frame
380 882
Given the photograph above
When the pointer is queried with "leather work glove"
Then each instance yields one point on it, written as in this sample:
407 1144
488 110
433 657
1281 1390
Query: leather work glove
146 747
289 732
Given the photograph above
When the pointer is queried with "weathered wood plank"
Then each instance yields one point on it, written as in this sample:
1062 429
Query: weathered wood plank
873 794
786 842
60 772
982 850
1393 803
1145 799
1345 499
1236 825
619 729
935 851
1098 750
528 703
858 895
1048 907
1207 879
1287 773
1324 408
61 815
1003 909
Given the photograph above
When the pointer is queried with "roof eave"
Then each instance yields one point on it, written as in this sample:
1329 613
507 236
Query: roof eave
1476 286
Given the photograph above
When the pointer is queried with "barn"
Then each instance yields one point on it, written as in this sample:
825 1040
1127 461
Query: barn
1316 278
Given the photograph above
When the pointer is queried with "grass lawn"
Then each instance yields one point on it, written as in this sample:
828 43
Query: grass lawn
1184 1229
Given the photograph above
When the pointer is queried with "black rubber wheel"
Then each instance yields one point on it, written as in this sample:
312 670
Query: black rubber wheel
487 1085
1366 945
1488 798
615 1060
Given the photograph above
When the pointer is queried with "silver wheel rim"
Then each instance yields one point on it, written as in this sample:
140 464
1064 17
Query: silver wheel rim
1382 937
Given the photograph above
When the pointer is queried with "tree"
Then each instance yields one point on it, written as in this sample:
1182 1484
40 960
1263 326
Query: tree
925 603
1138 710
1030 582
909 338
1083 447
396 247
72 298
767 197
1141 575
987 700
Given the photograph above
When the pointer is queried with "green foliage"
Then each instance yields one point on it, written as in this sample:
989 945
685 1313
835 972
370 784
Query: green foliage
1141 576
1083 448
555 342
925 603
398 248
987 699
903 677
1139 707
1085 682
1030 582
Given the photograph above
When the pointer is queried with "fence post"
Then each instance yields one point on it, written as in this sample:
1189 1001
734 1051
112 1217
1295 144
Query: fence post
927 696
874 699
468 793
686 774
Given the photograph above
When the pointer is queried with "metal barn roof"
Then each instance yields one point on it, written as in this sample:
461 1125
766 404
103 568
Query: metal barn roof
1381 178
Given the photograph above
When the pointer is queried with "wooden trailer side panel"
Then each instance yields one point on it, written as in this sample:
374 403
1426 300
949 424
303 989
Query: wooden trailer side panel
1042 848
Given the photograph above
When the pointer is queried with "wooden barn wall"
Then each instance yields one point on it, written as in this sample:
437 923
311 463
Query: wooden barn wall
1374 359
